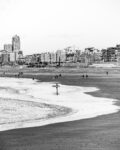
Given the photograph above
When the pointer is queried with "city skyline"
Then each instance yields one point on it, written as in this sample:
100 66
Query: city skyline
52 25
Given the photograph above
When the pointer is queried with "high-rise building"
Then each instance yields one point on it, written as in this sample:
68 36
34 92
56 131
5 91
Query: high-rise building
61 56
16 46
16 43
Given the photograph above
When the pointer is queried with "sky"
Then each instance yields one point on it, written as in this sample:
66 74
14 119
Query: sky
49 25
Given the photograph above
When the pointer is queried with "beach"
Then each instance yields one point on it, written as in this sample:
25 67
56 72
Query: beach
101 132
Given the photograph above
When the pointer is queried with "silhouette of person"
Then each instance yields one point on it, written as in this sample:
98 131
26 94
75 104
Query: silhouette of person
86 76
83 76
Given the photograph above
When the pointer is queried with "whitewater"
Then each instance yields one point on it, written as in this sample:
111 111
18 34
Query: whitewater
29 103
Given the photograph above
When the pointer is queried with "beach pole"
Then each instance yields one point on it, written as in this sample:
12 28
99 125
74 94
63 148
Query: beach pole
57 86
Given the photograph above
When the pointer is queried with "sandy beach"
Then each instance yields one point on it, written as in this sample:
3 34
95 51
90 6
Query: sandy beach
100 133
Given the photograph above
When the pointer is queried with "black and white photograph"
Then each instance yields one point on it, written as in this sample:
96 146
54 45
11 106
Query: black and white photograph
59 74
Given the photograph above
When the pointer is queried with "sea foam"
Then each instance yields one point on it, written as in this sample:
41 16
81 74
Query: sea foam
29 103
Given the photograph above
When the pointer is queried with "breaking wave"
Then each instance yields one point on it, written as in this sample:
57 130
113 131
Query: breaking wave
28 103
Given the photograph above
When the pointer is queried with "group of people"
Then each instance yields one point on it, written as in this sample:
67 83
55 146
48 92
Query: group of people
85 76
57 76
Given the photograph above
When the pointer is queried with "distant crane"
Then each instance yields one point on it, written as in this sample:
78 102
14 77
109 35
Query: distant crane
57 86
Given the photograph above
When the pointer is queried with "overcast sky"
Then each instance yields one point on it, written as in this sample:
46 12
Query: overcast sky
48 25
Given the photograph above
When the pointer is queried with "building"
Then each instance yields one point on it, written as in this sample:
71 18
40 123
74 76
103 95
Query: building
12 57
70 54
53 58
110 54
16 43
11 53
77 56
8 47
97 56
42 58
47 57
28 59
60 56
16 46
20 54
5 57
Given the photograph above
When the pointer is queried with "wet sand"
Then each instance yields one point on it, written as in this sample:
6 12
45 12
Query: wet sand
100 133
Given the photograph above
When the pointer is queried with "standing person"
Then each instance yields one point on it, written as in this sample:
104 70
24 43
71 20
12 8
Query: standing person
86 76
107 73
83 76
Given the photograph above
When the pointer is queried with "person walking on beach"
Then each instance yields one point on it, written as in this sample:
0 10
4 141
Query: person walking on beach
83 76
86 76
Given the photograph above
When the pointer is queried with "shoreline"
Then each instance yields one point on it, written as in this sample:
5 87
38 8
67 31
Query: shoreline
79 104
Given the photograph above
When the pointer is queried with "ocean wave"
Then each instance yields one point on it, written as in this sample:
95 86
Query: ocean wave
28 103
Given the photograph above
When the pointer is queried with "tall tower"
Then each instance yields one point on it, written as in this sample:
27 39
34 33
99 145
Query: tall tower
15 43
16 47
